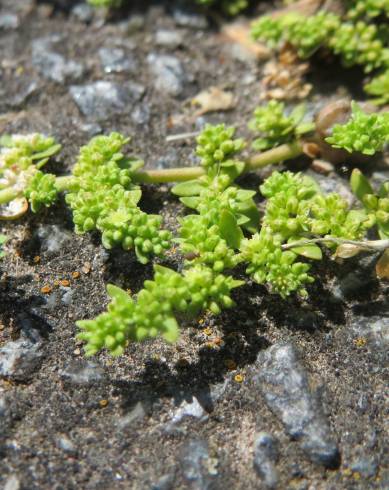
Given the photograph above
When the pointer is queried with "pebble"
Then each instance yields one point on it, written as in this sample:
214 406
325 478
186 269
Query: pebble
12 483
265 457
141 114
66 445
283 381
82 372
23 94
375 329
53 238
116 60
168 72
53 65
9 21
199 469
102 99
83 12
135 415
165 482
20 359
168 38
367 467
187 18
186 409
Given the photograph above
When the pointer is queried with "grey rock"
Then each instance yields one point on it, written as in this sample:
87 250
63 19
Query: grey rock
135 415
168 72
102 99
199 469
187 18
23 94
135 24
116 60
141 114
83 12
53 238
166 482
169 160
168 38
52 302
67 296
265 457
92 129
12 483
20 359
283 381
53 65
9 21
375 329
367 467
83 373
186 409
66 445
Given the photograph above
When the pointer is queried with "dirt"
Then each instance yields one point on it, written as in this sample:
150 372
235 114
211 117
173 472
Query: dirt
107 453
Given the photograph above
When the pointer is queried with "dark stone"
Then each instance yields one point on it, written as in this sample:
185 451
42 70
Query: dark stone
265 457
283 381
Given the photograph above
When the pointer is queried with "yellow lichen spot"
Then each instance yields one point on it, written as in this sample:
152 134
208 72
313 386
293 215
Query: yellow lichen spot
347 472
360 341
207 331
46 289
103 403
238 378
201 321
356 476
65 283
36 259
75 275
230 364
56 283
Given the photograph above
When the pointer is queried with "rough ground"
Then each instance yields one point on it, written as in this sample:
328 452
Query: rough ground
277 394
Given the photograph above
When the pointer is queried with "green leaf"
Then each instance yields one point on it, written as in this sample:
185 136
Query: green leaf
229 229
171 330
251 212
298 113
6 140
359 184
143 259
115 292
47 153
233 168
311 251
190 202
187 189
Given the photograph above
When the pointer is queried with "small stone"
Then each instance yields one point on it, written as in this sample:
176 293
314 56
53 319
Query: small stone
24 92
135 24
141 114
283 381
115 60
168 38
198 467
83 12
92 129
102 99
12 483
168 72
367 467
188 18
375 329
66 445
9 21
20 359
135 415
52 65
166 482
83 373
265 457
53 238
186 409
67 296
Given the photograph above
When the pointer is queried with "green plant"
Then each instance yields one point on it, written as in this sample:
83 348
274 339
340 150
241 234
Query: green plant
3 239
379 88
354 37
276 127
375 203
365 133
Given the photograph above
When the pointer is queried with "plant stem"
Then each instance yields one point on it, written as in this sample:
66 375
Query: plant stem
8 194
275 155
371 245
